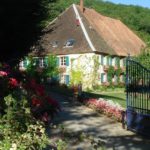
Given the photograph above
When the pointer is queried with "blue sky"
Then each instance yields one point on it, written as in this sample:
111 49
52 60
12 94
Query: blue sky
143 3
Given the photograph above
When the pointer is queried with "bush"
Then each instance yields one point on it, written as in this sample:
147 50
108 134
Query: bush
18 129
20 107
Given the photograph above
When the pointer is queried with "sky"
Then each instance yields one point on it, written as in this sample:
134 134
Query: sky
143 3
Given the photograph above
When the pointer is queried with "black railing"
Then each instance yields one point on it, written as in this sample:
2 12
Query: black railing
137 87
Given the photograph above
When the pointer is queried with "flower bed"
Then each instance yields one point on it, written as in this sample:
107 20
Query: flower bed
107 107
24 106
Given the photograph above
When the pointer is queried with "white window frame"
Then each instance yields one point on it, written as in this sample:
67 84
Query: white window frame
41 62
63 61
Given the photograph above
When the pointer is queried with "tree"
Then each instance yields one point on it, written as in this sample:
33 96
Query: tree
21 25
144 58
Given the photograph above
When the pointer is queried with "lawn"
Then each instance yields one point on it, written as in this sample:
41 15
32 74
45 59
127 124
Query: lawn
118 97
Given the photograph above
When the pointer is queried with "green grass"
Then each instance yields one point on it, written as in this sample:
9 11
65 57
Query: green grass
117 96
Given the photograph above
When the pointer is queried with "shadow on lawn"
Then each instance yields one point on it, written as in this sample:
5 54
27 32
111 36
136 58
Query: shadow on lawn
69 92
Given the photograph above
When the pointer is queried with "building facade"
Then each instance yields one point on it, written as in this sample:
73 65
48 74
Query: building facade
88 47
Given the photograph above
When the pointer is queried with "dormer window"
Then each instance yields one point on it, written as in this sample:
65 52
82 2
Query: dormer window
54 44
69 43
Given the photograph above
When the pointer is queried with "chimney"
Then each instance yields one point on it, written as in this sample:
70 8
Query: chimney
82 5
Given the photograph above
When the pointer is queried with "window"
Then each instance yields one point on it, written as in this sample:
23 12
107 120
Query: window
41 62
65 79
69 43
63 61
54 44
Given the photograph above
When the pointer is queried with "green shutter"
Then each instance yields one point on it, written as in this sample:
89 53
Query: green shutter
102 77
67 61
110 61
102 60
107 60
46 61
57 61
25 63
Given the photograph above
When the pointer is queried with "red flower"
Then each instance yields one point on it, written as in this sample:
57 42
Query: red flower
3 73
13 82
36 102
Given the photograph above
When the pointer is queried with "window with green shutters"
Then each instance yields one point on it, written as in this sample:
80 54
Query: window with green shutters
64 61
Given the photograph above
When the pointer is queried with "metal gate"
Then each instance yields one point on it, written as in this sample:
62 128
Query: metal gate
138 97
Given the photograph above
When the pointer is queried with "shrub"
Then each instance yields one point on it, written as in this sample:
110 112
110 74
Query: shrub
107 107
18 129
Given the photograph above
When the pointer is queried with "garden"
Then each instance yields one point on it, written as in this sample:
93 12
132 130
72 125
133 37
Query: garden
25 109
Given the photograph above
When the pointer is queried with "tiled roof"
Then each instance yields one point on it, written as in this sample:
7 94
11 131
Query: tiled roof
116 34
108 36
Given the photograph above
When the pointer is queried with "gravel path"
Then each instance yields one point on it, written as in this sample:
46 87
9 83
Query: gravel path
76 117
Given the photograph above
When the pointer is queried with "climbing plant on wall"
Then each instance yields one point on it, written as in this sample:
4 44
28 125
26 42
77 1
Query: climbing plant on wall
110 74
95 69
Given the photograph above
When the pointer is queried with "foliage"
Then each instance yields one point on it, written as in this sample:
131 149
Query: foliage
144 58
76 74
76 77
18 129
110 74
95 69
49 70
21 26
21 104
61 145
118 73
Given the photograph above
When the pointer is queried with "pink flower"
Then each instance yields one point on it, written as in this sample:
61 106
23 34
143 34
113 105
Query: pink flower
3 73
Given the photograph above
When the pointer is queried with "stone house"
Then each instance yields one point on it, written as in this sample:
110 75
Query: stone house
86 44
